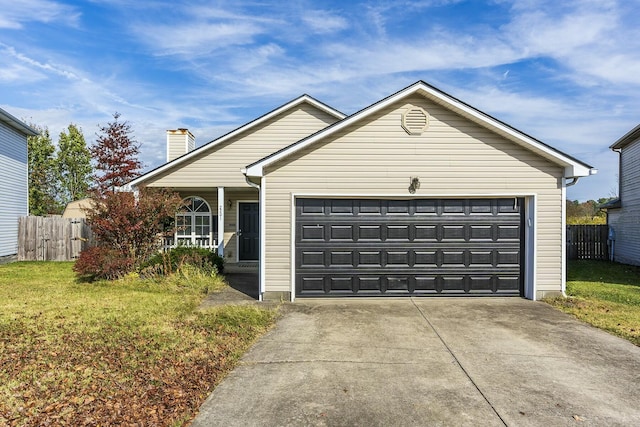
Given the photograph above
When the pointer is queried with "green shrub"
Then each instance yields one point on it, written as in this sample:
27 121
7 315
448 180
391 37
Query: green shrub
170 261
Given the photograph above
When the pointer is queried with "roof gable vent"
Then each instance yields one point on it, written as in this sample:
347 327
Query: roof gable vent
415 121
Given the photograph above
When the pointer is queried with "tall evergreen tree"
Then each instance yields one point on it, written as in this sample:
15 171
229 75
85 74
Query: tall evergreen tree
116 156
74 165
42 173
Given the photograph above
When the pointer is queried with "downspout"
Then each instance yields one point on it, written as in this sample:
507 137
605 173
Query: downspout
619 151
563 236
574 182
565 184
257 186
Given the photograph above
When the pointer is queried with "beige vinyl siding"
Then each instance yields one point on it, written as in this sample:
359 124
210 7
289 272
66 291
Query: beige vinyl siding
377 158
221 166
179 142
626 220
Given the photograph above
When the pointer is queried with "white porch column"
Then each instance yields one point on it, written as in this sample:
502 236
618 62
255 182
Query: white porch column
220 236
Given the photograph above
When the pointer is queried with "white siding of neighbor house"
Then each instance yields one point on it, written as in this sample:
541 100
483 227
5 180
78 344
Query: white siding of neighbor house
376 157
13 186
626 220
221 166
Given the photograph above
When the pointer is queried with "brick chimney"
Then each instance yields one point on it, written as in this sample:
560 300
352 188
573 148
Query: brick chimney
179 142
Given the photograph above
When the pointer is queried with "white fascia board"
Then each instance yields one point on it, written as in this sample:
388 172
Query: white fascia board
571 166
208 146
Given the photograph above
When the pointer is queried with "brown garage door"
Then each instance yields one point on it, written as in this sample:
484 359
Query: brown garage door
373 247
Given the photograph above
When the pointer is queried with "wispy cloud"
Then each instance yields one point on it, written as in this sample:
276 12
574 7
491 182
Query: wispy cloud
585 37
323 21
15 14
198 38
37 65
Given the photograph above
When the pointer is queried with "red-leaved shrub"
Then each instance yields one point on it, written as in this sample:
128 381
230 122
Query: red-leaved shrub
101 262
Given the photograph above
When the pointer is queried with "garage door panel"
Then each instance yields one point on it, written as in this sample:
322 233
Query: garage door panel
507 258
370 259
311 285
341 207
312 233
312 258
341 258
426 284
481 259
481 206
370 207
453 206
425 259
398 232
508 232
341 284
482 232
341 232
426 206
405 247
370 283
311 207
398 258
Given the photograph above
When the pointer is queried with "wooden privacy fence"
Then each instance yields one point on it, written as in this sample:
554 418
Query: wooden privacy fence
52 238
587 242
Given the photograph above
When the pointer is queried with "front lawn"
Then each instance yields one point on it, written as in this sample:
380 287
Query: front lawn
127 352
604 294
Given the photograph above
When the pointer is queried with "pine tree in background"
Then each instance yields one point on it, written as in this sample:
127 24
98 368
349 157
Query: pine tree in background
74 165
116 156
42 174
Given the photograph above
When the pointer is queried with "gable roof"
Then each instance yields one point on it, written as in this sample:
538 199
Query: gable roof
248 126
18 125
573 167
627 139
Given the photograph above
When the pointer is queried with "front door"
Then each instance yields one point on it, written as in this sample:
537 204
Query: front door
248 233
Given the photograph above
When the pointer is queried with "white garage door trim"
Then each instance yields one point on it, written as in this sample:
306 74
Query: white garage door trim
529 214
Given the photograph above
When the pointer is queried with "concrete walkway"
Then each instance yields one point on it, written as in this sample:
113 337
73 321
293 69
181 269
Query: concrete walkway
430 362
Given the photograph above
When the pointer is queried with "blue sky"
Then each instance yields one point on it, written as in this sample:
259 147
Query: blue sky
565 72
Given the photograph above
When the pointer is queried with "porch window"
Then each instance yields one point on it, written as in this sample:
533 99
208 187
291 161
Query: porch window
195 226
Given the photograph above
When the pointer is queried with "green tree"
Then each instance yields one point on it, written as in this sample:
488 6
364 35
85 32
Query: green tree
42 173
74 165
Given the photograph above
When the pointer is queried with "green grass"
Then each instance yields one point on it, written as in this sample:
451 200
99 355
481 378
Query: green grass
604 294
122 352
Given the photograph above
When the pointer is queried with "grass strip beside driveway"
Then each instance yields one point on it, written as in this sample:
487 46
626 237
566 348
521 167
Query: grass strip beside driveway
130 351
605 295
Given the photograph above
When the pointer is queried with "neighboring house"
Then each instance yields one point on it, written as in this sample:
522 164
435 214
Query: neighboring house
14 185
417 194
623 214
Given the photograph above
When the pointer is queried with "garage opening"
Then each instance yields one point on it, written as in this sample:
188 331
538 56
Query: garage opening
431 247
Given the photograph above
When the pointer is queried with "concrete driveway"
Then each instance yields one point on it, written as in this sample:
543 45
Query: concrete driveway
430 362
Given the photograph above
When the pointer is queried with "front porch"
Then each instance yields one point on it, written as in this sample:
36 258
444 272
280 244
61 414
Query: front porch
221 219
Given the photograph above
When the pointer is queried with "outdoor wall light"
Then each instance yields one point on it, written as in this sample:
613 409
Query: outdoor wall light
229 204
414 184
